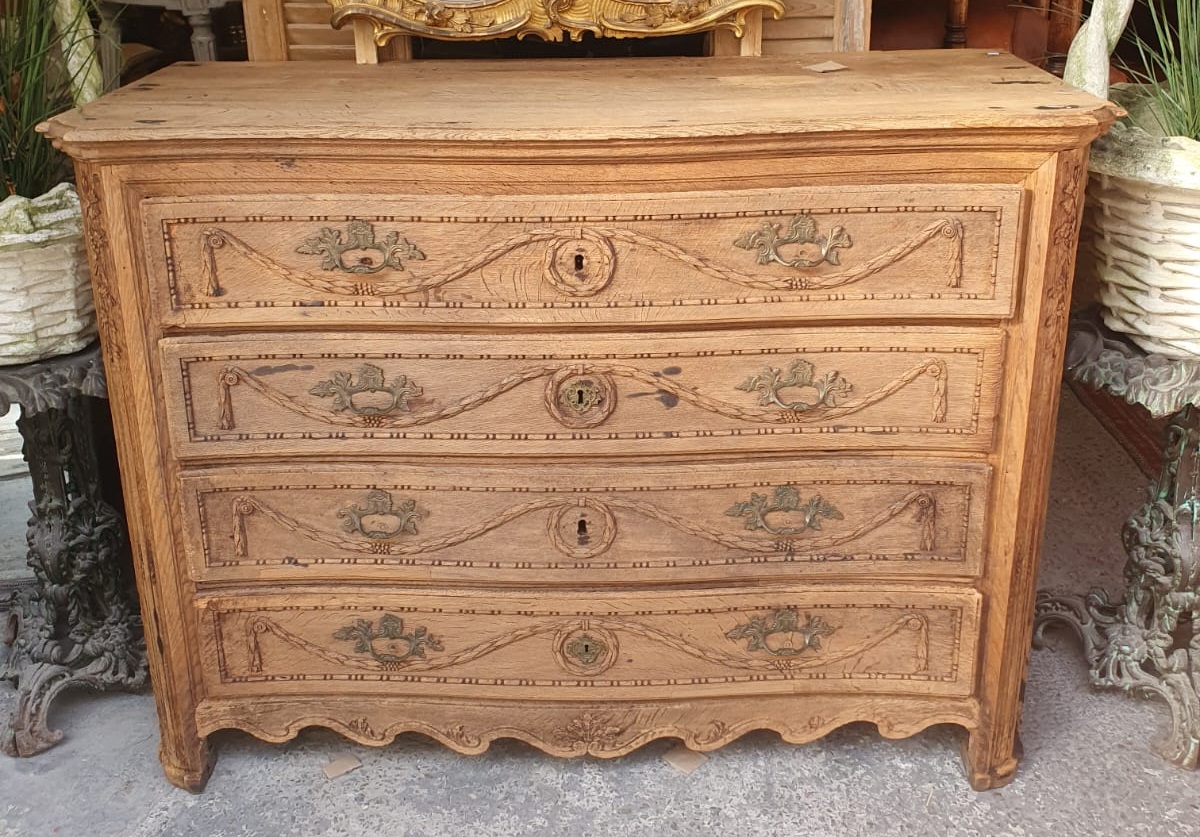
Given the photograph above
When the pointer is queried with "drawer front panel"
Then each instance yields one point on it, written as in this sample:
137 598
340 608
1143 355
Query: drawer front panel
574 395
930 251
592 646
568 524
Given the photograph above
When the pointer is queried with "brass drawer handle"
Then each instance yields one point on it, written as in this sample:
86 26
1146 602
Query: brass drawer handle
830 387
759 630
358 252
401 646
769 237
786 499
379 397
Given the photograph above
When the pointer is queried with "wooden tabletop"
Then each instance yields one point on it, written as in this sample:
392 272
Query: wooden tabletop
563 100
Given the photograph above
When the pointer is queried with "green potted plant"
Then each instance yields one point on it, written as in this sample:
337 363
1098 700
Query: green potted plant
47 64
1143 206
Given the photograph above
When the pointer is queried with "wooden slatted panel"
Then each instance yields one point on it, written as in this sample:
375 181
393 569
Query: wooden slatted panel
295 30
306 11
309 35
817 26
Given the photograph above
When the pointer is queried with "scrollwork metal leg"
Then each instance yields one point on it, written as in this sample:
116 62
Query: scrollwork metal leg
79 625
1147 644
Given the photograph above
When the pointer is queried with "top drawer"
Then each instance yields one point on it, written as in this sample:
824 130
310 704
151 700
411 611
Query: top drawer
802 253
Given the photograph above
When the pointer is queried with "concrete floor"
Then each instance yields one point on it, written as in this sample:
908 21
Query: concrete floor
1088 768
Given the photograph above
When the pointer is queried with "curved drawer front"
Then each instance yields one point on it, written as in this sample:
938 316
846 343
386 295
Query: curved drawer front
929 251
592 647
573 394
567 524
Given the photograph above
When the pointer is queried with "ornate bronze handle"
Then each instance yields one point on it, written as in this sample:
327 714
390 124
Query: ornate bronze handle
830 387
379 518
400 646
769 237
382 398
785 499
358 252
759 630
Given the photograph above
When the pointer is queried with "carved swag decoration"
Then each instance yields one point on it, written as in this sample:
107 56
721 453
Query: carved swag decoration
367 399
390 646
382 526
360 263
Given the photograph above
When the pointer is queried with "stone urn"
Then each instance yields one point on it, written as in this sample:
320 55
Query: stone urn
45 293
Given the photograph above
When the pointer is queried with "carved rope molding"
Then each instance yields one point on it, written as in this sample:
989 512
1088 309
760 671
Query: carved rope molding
213 239
368 659
768 383
550 20
921 500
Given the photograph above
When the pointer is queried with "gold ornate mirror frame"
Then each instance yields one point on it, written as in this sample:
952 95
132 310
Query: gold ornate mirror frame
478 20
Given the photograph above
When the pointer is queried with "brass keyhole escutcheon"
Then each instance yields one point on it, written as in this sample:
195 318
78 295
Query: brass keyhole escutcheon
582 394
578 400
586 649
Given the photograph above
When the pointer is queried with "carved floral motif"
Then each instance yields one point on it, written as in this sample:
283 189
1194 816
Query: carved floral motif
587 731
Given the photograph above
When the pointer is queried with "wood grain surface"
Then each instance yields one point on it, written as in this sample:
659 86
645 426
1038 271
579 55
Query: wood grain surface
477 414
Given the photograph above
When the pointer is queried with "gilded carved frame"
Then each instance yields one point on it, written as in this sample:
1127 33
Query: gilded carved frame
551 20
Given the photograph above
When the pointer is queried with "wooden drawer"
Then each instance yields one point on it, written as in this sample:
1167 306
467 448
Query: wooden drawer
946 250
765 390
591 646
577 523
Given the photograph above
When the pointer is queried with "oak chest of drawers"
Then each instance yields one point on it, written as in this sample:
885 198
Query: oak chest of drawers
586 403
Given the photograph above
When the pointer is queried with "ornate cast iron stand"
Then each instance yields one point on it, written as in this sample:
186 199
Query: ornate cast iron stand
1148 644
78 625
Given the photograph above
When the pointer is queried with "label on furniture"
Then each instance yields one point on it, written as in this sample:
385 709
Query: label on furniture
580 522
653 393
810 253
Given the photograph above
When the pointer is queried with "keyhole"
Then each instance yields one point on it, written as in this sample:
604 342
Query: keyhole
579 397
582 532
579 262
587 648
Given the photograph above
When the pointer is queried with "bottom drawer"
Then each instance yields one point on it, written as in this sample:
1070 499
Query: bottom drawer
588 646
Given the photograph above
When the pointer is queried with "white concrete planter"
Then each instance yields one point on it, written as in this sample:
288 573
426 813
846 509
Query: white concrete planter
1143 216
45 294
